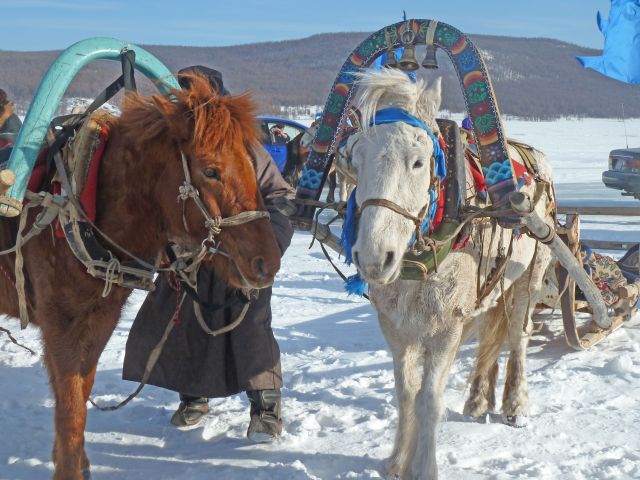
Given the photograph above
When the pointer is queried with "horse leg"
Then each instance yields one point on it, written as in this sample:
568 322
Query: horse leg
346 187
526 292
70 410
72 360
493 330
439 355
406 360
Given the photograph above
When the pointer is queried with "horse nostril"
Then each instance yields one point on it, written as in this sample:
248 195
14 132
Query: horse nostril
259 267
388 260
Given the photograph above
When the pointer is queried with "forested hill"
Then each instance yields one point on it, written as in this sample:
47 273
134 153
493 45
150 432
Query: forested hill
532 77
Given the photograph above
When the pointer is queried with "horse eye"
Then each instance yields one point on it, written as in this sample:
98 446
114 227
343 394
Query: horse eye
418 164
211 173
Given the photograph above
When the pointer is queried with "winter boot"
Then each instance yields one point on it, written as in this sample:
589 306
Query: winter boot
191 411
266 424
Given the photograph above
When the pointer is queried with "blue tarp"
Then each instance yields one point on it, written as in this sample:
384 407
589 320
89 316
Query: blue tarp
620 57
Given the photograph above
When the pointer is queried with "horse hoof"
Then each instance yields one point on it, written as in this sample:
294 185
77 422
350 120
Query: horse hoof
517 421
392 471
481 418
474 411
86 474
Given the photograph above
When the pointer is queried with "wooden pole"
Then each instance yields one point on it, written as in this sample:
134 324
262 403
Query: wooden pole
523 205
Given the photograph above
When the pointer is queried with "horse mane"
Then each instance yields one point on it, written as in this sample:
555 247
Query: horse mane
198 115
391 86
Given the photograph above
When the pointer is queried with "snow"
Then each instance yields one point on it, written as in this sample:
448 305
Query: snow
339 411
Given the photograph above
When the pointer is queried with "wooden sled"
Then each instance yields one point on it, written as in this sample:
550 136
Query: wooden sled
588 334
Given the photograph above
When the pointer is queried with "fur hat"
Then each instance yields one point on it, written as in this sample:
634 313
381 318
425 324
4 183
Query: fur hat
213 76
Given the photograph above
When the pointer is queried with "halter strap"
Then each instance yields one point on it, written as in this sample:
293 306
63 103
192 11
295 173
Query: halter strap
381 202
213 224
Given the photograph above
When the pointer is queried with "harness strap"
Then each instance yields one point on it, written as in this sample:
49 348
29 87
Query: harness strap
69 123
497 272
226 328
420 243
153 358
19 270
66 184
381 202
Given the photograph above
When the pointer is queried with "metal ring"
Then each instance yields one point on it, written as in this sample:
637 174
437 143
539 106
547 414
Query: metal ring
407 37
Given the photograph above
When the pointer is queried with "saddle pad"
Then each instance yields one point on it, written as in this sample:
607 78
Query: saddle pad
82 157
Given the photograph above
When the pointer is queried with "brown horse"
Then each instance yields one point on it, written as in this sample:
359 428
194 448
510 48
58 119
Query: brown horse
140 176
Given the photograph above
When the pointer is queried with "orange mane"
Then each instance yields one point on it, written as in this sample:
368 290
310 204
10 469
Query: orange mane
199 115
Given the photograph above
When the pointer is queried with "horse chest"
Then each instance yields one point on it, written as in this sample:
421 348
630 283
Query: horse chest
415 309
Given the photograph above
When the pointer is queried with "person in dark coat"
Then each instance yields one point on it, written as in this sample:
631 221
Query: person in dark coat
10 125
200 366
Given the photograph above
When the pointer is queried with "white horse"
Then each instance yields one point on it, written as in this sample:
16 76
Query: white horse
423 321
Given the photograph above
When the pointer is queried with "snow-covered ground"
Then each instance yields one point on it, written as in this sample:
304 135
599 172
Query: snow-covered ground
339 411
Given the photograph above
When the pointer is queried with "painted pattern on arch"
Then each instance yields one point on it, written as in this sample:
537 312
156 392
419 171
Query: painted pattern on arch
503 175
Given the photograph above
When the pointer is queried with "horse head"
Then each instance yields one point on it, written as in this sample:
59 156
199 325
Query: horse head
205 140
392 159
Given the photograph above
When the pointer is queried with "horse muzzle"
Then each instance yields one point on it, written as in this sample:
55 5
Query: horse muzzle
381 269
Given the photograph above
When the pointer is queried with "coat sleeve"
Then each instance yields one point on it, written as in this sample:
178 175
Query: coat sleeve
273 186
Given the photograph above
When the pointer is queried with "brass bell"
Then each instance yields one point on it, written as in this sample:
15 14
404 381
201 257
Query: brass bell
430 61
391 61
408 59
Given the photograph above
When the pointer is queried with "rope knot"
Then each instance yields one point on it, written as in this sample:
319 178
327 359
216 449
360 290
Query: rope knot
186 190
214 224
111 275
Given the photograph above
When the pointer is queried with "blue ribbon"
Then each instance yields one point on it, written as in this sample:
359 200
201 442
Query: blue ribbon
395 115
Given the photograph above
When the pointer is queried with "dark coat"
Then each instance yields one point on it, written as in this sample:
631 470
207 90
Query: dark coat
194 363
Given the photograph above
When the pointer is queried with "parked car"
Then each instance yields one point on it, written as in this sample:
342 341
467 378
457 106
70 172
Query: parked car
624 171
277 134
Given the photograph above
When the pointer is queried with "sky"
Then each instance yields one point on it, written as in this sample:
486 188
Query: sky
56 24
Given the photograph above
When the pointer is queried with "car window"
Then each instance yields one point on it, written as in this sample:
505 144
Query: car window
292 131
278 135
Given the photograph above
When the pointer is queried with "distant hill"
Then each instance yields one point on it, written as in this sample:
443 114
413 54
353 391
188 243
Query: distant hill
532 77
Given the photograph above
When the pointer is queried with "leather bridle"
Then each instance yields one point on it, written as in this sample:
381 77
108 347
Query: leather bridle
213 224
421 242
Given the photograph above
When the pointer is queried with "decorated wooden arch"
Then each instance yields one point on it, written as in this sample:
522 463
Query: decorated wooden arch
502 173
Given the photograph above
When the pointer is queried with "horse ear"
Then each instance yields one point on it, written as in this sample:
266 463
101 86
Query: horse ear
176 115
430 101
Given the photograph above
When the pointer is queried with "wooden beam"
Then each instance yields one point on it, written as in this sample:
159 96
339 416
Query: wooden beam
600 207
607 245
324 235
